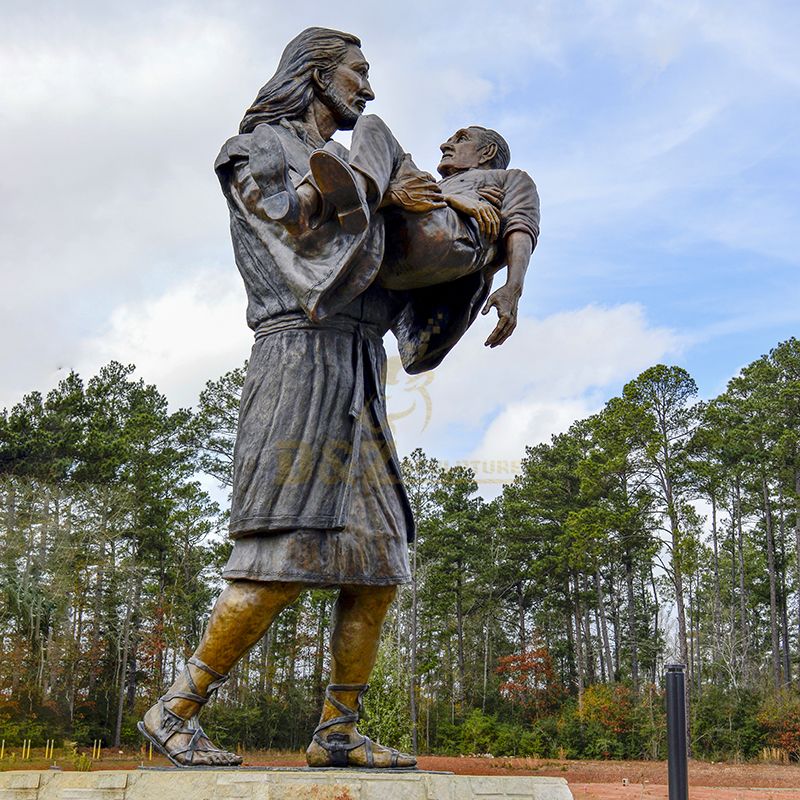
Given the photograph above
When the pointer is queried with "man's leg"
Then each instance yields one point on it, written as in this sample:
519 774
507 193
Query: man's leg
358 619
429 249
241 616
376 156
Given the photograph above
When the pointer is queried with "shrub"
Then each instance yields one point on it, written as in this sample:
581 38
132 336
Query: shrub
603 727
779 718
725 724
479 734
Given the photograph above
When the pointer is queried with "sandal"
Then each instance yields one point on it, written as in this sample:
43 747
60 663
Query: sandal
336 182
171 724
338 746
271 172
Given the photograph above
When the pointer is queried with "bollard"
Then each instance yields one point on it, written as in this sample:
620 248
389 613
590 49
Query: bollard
677 766
150 753
2 750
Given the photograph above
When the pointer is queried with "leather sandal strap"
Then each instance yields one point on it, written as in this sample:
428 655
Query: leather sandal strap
368 751
345 720
169 724
191 696
347 687
192 747
329 746
361 688
196 662
172 724
219 678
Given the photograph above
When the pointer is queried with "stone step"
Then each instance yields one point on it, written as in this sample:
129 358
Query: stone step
275 784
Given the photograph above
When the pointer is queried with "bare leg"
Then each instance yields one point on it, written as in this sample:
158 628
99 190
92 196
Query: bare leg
241 616
358 619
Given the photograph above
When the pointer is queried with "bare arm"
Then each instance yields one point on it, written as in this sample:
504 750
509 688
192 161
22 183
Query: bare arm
519 247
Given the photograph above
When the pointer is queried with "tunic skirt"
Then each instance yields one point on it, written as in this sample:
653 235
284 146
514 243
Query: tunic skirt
317 495
371 549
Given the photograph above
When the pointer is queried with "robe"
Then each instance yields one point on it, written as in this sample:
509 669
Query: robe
314 453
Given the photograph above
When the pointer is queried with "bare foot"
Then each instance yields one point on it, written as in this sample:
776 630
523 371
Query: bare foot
184 746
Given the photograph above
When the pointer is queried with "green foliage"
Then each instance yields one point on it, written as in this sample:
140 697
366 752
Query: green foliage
387 717
535 624
727 724
80 761
611 723
17 725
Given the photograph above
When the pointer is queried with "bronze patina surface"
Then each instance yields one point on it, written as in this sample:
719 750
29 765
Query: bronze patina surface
337 247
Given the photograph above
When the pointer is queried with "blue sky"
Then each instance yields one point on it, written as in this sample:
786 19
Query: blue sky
663 138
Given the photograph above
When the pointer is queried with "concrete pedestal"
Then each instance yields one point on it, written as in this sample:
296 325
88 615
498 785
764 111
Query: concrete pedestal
274 784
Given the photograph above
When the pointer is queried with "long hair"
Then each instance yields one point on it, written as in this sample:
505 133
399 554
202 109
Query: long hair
289 92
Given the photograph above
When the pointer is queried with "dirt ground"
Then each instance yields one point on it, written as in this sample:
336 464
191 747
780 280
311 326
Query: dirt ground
588 780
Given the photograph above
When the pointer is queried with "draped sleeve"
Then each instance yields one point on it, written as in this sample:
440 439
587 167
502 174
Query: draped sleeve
324 268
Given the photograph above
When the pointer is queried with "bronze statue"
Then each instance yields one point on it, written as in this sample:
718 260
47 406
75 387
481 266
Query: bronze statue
331 244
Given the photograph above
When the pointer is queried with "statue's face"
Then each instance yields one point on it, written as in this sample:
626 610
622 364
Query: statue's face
463 150
349 91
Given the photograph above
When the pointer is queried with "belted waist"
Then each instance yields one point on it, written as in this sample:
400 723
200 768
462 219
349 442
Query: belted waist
299 321
364 334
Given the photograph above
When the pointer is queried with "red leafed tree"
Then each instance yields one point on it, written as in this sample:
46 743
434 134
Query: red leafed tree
530 681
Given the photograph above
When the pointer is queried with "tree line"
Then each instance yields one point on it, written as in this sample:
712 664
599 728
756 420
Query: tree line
660 529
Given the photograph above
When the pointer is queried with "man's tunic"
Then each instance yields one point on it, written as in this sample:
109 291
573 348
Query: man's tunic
317 494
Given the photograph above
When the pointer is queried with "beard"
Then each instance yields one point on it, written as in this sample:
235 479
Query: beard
345 116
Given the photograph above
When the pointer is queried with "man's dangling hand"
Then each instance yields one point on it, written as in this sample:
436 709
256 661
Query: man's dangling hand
506 301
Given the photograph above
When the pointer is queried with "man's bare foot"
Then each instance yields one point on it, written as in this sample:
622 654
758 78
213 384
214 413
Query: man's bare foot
183 745
171 724
366 754
337 742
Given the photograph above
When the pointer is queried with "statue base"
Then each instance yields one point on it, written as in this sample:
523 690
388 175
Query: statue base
275 784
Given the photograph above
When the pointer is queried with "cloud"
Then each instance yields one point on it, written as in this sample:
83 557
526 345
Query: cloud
480 406
179 340
487 405
651 128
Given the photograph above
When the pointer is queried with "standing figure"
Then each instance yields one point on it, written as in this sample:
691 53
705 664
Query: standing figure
317 496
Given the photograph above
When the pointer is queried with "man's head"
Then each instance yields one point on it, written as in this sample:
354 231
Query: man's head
317 63
473 148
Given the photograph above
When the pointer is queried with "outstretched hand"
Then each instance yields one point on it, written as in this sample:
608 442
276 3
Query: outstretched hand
506 301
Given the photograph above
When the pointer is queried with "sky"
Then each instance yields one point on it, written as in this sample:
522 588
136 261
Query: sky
663 138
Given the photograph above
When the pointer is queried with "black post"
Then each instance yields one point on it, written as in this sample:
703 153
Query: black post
676 733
